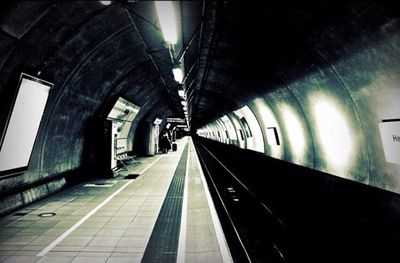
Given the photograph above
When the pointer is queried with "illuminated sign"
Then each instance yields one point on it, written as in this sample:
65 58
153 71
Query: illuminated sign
176 120
390 136
123 110
157 121
23 123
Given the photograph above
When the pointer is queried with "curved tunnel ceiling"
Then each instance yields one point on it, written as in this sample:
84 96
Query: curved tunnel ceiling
260 46
232 50
93 52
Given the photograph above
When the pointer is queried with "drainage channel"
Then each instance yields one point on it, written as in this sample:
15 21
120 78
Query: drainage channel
163 243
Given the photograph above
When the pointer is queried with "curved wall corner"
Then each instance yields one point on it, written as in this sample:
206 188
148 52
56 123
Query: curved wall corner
298 142
372 77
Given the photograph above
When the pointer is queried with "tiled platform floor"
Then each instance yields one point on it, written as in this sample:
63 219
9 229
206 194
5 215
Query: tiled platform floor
112 222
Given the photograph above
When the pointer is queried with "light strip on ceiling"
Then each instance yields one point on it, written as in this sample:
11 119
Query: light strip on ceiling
178 74
167 18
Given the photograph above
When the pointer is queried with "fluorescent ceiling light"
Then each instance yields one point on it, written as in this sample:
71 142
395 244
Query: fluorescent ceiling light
178 74
105 2
166 16
181 93
157 121
168 125
183 102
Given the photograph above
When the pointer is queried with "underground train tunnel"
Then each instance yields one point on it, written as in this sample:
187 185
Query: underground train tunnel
199 131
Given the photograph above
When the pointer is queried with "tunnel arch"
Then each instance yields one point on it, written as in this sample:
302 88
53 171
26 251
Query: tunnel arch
95 53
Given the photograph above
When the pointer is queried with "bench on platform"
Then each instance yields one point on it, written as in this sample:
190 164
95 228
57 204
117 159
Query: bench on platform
124 157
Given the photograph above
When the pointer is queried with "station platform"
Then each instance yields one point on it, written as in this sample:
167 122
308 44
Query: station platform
157 210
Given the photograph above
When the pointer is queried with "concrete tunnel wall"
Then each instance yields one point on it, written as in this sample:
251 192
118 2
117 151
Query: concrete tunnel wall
93 58
360 86
87 62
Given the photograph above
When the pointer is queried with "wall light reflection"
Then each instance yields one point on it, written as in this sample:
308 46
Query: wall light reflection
269 121
294 133
334 133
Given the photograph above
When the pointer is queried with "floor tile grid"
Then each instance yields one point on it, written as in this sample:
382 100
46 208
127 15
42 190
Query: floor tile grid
120 242
26 244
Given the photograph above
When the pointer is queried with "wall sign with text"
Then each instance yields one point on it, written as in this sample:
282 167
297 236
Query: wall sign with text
390 136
